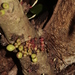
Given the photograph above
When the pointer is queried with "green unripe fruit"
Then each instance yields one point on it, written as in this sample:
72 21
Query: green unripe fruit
2 12
5 5
10 47
16 45
30 52
34 60
33 56
19 55
18 41
38 51
20 48
25 55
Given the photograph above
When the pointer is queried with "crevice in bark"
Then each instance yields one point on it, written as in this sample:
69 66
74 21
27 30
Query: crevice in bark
72 26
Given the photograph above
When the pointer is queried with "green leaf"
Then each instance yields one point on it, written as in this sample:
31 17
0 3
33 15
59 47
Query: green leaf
36 9
29 14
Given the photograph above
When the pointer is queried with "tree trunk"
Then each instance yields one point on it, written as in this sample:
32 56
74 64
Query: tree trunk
61 32
16 25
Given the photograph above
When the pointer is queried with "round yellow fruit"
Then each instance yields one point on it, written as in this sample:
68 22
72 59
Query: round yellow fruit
2 12
10 47
20 47
5 5
34 60
33 56
16 45
19 55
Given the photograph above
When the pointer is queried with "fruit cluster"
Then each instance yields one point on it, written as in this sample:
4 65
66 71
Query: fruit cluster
28 48
4 6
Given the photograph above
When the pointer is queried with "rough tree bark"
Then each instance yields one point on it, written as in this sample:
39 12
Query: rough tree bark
15 24
61 30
